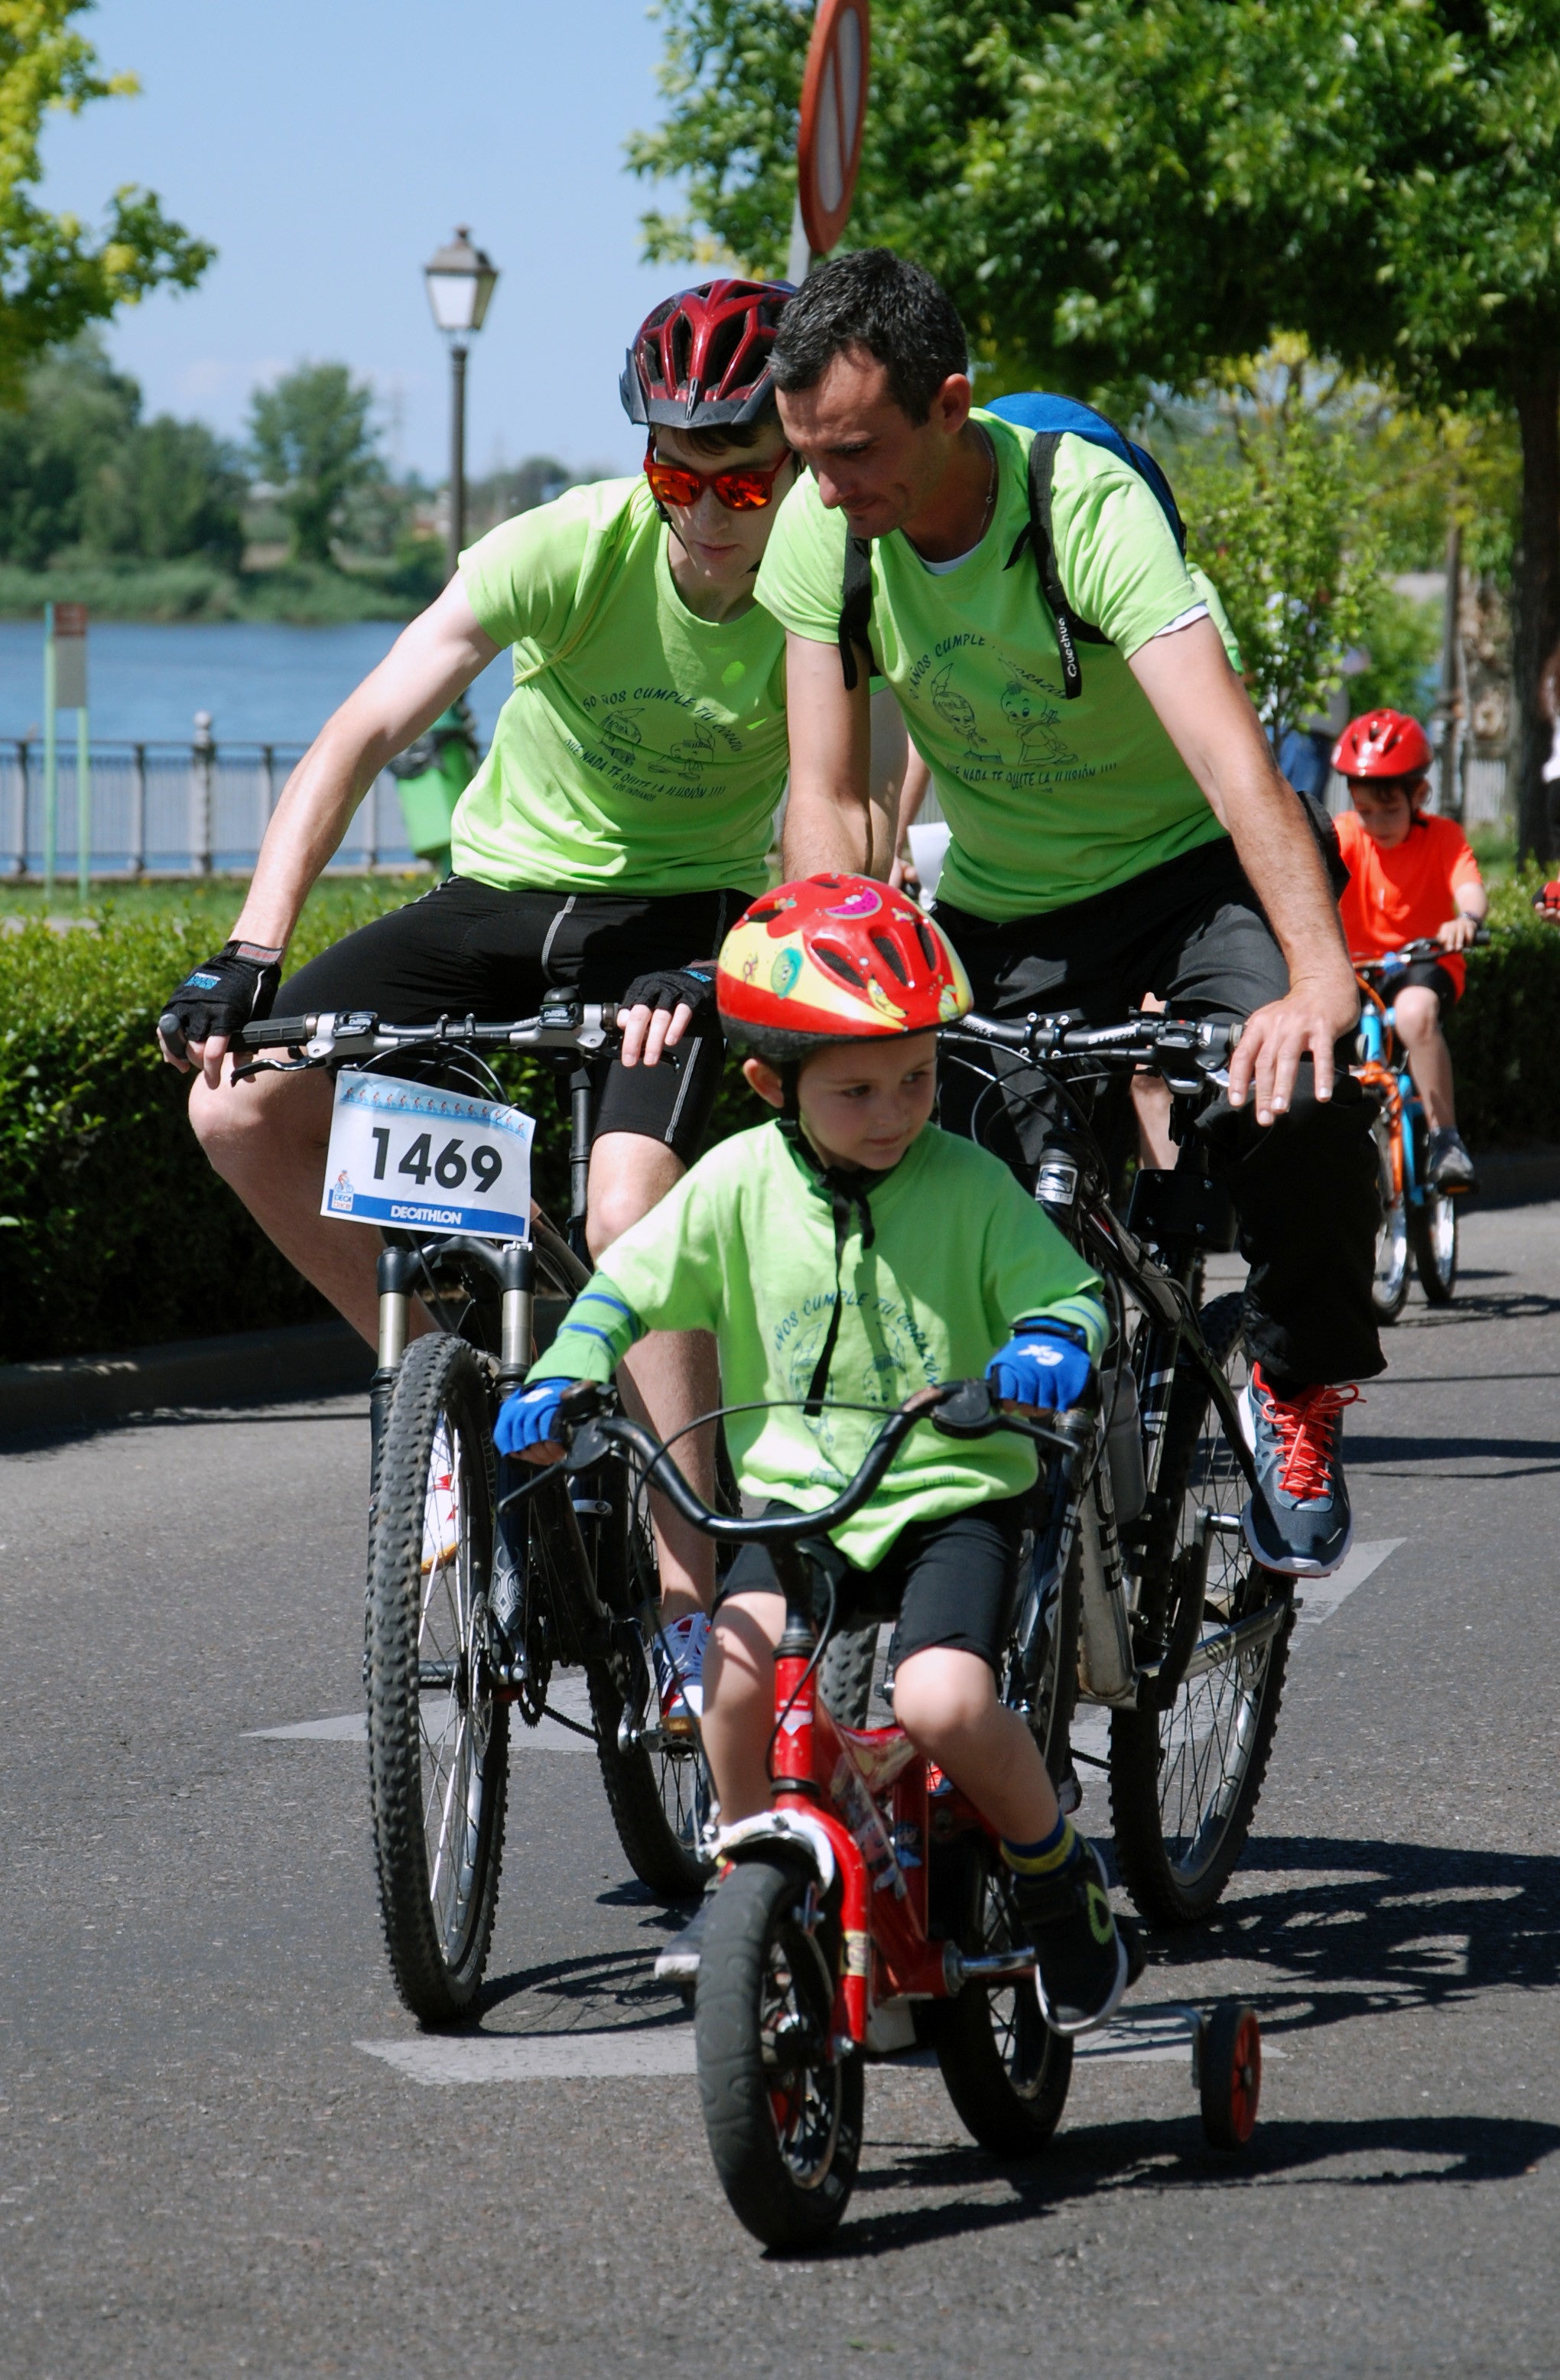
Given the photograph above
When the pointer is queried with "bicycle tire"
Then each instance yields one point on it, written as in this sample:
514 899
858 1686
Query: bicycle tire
1389 1285
845 1674
1432 1230
1006 2072
659 1798
782 2114
438 1749
1181 1823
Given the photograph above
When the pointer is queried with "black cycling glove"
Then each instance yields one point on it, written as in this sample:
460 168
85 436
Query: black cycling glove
670 988
220 995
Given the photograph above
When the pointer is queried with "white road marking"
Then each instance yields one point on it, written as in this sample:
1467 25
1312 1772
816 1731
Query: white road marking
568 1694
539 2057
1320 1597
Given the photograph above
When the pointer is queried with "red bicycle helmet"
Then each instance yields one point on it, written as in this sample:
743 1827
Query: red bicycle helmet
834 958
1383 744
702 358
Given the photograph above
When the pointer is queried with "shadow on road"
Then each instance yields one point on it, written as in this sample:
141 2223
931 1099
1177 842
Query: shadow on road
1536 1455
1368 1927
1095 2161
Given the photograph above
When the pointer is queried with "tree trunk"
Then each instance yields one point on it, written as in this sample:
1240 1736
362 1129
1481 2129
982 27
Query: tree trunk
1536 600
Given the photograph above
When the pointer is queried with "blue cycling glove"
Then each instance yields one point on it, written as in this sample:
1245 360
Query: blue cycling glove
530 1416
1042 1366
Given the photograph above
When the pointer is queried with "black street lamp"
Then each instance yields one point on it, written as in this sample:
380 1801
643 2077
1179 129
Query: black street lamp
460 280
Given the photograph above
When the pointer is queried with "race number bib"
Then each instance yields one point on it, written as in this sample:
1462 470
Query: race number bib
428 1159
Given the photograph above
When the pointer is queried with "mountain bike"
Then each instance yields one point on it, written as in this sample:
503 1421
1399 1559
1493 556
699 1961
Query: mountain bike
476 1595
1183 1636
1418 1220
868 1910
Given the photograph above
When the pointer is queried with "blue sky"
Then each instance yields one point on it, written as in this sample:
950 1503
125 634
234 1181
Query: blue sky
328 147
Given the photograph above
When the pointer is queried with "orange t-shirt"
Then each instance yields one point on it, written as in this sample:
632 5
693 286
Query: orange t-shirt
1407 894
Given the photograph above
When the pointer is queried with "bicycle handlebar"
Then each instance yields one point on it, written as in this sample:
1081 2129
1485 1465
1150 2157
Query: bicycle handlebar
1392 962
960 1408
1146 1034
335 1037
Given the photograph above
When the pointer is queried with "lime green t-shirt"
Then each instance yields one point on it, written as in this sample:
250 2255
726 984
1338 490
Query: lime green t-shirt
1048 800
744 1247
642 748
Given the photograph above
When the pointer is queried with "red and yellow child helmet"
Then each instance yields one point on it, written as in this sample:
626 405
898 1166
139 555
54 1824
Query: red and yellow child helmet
835 958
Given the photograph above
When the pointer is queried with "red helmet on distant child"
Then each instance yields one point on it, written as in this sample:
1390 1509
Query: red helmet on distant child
1383 744
834 958
701 359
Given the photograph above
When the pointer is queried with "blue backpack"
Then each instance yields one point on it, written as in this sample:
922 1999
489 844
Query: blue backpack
1051 419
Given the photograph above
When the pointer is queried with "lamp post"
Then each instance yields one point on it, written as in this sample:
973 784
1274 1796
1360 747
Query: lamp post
460 280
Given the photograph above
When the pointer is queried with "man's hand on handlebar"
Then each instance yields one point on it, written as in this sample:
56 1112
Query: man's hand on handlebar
1042 1366
658 1009
215 1000
1304 1024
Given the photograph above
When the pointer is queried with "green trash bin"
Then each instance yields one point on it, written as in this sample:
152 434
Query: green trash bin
431 776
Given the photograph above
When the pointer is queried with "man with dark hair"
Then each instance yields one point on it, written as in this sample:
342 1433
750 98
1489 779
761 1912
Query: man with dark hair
1118 826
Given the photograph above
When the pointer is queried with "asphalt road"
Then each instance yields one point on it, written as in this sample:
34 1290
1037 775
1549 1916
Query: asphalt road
225 2148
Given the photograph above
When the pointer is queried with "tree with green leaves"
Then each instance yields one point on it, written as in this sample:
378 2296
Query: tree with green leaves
1119 196
172 489
56 276
313 442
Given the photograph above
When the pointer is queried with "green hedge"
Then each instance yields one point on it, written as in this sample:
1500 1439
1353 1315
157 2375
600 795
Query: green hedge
115 1232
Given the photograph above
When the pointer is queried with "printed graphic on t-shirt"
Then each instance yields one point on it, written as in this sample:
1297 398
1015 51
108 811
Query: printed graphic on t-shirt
627 718
1018 744
901 1361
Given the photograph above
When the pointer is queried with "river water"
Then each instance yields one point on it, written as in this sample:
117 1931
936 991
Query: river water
261 683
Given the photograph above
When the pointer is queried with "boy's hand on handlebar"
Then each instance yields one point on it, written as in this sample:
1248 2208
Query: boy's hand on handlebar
529 1422
1040 1367
1458 933
1304 1024
658 1009
214 1001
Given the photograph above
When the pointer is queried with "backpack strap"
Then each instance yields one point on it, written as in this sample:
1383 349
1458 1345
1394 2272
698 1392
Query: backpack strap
1036 532
855 609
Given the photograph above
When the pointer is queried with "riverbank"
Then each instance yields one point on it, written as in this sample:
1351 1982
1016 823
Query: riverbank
294 594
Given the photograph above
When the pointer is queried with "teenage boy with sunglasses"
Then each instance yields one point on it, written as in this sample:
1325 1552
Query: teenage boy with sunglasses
616 830
1118 826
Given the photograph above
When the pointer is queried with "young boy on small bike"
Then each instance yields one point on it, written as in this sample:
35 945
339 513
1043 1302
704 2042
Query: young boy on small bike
845 1254
1412 879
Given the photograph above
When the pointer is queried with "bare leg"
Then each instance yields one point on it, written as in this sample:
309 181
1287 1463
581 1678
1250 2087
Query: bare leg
946 1701
738 1702
266 1138
1150 1099
672 1374
1417 1012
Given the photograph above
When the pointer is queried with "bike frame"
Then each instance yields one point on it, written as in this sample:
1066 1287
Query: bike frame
1384 1071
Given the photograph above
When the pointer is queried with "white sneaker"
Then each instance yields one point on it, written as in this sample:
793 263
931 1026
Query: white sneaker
679 1659
440 1510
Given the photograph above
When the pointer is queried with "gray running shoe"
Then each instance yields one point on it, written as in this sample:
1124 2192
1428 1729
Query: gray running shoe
1299 1522
1450 1166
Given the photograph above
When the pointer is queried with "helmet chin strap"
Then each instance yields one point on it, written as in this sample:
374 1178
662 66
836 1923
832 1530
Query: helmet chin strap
849 1189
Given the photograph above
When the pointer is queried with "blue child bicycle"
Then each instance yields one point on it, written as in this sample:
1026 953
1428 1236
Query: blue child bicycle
1419 1222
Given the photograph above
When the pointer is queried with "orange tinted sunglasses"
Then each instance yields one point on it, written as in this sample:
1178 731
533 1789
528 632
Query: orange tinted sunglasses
746 491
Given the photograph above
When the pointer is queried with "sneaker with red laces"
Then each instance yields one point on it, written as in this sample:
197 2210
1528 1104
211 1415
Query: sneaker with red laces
1299 1521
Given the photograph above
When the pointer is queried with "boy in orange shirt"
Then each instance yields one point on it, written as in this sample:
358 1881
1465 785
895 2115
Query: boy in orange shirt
1412 879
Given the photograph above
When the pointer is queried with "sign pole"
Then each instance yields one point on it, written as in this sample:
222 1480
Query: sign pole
51 777
83 808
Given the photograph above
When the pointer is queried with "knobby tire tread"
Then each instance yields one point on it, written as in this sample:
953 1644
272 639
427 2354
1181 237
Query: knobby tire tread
436 1372
1142 1858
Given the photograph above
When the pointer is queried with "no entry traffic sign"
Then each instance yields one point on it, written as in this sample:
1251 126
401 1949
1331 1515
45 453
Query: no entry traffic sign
833 113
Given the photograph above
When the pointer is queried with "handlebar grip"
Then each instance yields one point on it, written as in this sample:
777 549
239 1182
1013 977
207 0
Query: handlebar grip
170 1024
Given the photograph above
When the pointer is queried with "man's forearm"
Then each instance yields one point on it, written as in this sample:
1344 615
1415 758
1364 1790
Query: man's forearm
306 830
824 836
1274 845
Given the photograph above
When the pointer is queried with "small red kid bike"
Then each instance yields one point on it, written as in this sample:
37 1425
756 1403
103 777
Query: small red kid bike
866 1912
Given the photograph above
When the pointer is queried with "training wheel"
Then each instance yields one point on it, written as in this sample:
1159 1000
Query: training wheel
1230 2074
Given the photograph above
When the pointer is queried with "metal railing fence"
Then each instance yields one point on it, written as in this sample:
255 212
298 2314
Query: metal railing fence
173 809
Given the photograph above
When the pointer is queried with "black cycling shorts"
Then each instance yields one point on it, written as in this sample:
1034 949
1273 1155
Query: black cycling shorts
1422 975
466 948
950 1582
